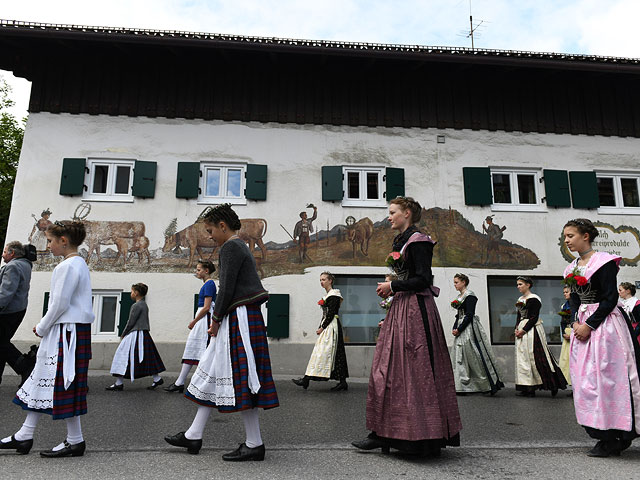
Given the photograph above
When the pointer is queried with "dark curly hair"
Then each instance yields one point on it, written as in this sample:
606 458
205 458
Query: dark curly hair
463 278
73 230
222 213
583 225
629 286
209 266
408 203
141 288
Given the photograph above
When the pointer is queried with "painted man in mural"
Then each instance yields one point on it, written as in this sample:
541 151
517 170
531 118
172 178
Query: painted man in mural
37 237
303 230
494 235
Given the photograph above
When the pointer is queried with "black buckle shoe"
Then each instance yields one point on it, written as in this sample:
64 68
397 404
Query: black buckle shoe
244 453
156 384
76 450
301 382
174 388
115 388
340 386
22 447
371 443
179 440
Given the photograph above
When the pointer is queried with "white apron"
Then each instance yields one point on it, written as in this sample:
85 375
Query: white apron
125 354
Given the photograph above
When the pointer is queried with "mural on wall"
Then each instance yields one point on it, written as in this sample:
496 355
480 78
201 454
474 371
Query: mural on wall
123 245
37 237
622 240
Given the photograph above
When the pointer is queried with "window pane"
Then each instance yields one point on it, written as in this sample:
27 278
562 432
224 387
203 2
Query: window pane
353 184
360 311
630 192
234 182
213 183
526 189
606 193
108 317
122 179
372 185
100 176
501 188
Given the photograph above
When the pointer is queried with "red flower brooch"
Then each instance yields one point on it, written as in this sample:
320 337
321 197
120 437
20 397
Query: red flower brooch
321 302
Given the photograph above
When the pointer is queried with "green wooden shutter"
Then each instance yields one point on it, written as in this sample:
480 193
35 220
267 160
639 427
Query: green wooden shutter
144 179
556 185
72 180
395 183
195 305
45 306
477 186
188 180
584 190
256 182
278 315
125 306
332 184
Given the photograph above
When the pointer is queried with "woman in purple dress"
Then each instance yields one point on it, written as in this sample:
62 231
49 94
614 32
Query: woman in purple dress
411 403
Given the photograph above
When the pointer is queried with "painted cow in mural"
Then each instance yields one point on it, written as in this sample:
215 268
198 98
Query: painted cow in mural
111 233
359 233
195 237
127 247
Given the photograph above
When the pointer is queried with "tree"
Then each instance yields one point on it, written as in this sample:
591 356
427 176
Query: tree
11 135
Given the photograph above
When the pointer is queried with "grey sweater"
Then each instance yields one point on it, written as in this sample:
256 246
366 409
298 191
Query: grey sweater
138 318
239 281
15 278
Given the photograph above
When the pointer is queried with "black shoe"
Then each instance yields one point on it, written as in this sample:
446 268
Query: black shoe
76 450
525 393
174 388
554 392
115 388
22 447
244 453
604 449
301 382
461 394
179 440
340 386
156 384
371 443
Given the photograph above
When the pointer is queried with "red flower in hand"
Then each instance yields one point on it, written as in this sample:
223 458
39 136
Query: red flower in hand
581 280
571 275
321 302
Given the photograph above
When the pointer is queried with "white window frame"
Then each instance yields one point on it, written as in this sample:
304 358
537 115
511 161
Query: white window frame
362 201
224 168
110 195
515 205
97 296
619 209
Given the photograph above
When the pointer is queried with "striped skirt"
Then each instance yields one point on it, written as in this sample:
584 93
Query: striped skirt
151 362
71 402
267 396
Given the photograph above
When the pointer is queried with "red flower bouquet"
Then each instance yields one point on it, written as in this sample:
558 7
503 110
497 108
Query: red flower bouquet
393 258
456 303
321 302
564 312
574 278
519 304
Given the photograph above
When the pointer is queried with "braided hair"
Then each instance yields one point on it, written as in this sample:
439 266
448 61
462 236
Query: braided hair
408 203
583 225
222 213
73 230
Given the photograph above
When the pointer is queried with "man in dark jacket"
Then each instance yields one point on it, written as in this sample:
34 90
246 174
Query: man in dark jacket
15 277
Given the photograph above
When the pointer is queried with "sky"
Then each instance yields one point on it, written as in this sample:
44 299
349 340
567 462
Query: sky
599 27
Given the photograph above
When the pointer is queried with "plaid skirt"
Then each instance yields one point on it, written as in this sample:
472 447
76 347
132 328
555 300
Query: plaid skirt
267 396
151 363
71 402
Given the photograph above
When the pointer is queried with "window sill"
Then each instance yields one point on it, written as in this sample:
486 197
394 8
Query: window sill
364 203
109 199
219 201
618 211
517 208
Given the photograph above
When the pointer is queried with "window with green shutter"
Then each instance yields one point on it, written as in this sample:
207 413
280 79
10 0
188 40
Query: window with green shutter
72 179
188 180
125 307
278 315
332 184
556 185
256 182
144 179
395 183
584 189
477 185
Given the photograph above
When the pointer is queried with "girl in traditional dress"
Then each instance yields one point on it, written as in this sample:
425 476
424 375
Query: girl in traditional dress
329 358
565 331
58 383
234 374
199 335
411 401
474 365
604 358
631 305
137 355
536 368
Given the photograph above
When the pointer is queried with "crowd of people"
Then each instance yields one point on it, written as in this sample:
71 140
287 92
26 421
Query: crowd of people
227 345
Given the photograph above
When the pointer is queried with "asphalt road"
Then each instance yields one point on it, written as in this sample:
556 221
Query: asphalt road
308 437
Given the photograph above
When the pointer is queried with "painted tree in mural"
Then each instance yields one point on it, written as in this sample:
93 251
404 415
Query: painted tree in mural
11 133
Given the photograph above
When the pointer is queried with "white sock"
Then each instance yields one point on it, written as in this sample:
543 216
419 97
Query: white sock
74 431
196 430
252 427
60 446
183 374
119 381
28 427
157 378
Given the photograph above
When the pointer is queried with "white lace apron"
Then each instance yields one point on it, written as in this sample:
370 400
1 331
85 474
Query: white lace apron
125 354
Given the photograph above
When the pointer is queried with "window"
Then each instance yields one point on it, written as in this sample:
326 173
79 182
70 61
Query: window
360 311
515 190
618 193
109 180
106 308
363 187
503 295
222 183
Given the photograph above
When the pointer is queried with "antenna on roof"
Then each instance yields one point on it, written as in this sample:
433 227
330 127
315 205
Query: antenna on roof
473 30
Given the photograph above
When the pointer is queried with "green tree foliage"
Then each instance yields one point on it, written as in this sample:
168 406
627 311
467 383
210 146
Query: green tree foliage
11 134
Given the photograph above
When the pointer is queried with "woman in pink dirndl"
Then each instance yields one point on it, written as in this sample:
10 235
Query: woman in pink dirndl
603 359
